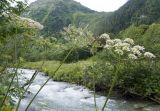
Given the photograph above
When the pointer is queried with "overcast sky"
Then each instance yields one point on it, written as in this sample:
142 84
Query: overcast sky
100 5
103 5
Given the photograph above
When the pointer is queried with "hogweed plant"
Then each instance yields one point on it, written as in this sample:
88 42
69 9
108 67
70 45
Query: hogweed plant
123 50
15 41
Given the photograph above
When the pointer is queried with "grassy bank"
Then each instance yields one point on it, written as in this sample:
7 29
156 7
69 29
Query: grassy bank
135 79
72 72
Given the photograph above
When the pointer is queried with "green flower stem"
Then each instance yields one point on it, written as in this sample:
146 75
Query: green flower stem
93 51
8 88
29 84
111 88
15 54
49 78
95 103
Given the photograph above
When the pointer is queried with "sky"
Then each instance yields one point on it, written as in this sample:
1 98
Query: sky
103 5
100 5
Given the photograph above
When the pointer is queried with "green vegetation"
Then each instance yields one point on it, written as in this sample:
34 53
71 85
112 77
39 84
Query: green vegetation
135 77
147 35
53 49
67 49
15 33
134 12
71 72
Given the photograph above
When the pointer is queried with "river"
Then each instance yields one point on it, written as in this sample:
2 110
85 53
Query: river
62 96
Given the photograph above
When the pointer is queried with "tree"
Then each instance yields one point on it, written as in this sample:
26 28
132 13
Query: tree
8 7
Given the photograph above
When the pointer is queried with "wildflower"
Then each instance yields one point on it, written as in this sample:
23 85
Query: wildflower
126 44
136 51
126 48
149 55
109 42
32 23
132 56
117 41
141 48
128 40
81 33
108 46
118 51
105 36
118 45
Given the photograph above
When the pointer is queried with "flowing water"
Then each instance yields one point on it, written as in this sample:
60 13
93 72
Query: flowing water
61 96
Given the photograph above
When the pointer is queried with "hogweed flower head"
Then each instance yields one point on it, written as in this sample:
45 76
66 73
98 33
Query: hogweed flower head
125 44
117 41
128 40
132 56
149 55
108 46
136 51
32 23
138 47
105 36
118 45
118 51
127 47
109 42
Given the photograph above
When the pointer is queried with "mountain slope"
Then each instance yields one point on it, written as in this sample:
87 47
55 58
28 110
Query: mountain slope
56 14
134 12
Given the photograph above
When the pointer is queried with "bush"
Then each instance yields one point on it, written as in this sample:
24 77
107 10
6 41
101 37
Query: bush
141 78
99 74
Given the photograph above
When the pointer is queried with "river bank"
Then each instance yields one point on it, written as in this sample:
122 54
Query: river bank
73 73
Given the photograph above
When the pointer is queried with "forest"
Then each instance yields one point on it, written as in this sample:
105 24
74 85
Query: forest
112 54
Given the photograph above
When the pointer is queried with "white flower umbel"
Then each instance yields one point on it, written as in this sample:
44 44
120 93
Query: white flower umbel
105 36
126 44
109 42
132 56
149 55
138 47
136 51
126 47
128 40
118 51
118 46
108 46
32 23
117 41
